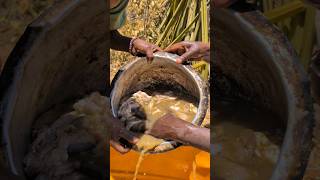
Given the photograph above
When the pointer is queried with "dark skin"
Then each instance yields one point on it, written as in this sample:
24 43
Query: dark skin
142 47
170 127
121 139
167 127
193 51
173 128
188 50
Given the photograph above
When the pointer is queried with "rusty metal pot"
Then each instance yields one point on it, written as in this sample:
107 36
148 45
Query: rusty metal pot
254 61
315 78
162 72
60 57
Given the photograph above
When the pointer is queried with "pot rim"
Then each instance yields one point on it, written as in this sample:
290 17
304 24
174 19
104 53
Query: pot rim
200 83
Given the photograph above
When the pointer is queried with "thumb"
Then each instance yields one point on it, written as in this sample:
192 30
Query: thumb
187 55
180 60
149 54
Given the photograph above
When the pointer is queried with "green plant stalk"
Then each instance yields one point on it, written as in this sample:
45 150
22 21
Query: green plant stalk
309 37
174 30
170 23
204 33
204 21
285 11
166 19
191 14
270 4
297 38
265 6
199 64
181 35
183 20
195 32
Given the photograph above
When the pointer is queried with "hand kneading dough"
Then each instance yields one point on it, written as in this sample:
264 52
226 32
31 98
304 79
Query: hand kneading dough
140 111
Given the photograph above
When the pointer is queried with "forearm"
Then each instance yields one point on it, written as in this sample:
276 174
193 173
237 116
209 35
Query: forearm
171 127
119 42
195 136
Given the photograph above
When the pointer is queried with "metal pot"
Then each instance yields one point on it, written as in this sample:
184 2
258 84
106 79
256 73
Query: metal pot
162 72
60 57
254 61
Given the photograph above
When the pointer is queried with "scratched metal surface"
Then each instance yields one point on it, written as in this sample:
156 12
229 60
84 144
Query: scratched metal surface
255 62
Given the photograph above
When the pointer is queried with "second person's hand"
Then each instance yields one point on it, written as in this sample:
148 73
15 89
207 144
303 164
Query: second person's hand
193 51
121 139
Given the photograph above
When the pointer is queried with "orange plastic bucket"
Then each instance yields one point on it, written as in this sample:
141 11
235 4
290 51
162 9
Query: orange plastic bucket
182 163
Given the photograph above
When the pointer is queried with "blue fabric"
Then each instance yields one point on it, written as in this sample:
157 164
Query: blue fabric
118 15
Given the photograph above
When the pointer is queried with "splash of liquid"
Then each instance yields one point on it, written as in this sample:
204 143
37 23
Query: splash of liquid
142 153
154 106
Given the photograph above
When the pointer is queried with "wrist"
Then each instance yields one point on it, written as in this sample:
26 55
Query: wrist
185 133
132 49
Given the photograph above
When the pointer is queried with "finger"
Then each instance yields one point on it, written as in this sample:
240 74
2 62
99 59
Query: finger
177 47
174 48
149 131
187 55
156 49
179 60
118 147
149 54
130 137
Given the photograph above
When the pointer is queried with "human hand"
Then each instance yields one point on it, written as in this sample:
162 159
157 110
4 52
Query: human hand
122 139
141 47
173 128
190 51
168 127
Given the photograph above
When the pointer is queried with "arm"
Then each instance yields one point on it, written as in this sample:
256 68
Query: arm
120 43
171 127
